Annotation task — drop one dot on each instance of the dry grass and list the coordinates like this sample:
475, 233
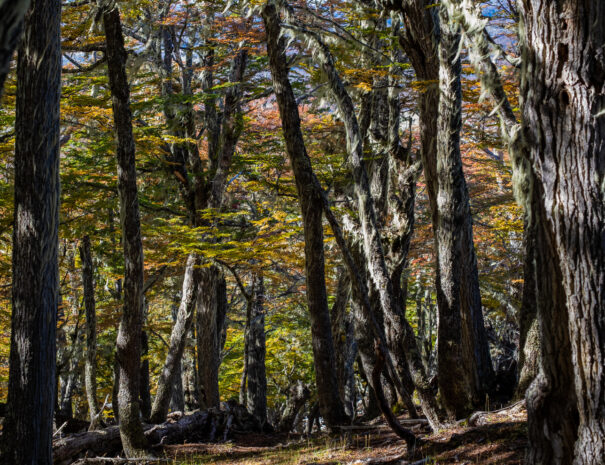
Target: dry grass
501, 440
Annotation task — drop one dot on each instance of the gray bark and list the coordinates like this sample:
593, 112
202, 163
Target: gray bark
345, 346
90, 369
128, 343
457, 382
257, 377
311, 204
529, 334
372, 246
27, 428
297, 395
211, 308
178, 339
419, 39
563, 92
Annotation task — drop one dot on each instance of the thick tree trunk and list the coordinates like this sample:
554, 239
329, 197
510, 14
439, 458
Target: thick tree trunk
457, 382
311, 204
27, 428
129, 334
178, 339
552, 414
345, 346
211, 311
257, 377
11, 26
90, 368
189, 374
563, 88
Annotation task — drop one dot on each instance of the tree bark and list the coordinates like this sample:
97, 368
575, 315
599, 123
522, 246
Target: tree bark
211, 311
372, 246
178, 339
129, 334
257, 377
456, 381
311, 205
529, 334
563, 88
90, 368
189, 374
27, 428
419, 40
11, 26
297, 395
145, 387
345, 346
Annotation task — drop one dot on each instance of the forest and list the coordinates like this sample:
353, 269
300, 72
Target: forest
361, 232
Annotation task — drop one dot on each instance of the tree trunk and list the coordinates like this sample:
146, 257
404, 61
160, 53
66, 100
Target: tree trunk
129, 334
257, 377
563, 87
145, 388
419, 40
311, 205
372, 246
178, 339
211, 311
11, 26
529, 333
456, 381
189, 374
27, 428
297, 395
345, 346
90, 369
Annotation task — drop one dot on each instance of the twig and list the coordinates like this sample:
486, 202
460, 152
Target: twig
60, 429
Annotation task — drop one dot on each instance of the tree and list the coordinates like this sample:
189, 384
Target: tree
90, 374
564, 132
420, 41
28, 427
257, 378
311, 205
11, 26
129, 334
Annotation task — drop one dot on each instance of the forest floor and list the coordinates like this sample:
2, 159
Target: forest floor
500, 439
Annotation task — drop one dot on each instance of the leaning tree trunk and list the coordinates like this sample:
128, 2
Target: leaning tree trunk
211, 311
90, 369
178, 339
372, 245
257, 377
311, 204
129, 334
27, 430
563, 88
11, 26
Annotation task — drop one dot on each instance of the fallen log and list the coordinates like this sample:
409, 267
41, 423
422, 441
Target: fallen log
200, 426
482, 418
99, 442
